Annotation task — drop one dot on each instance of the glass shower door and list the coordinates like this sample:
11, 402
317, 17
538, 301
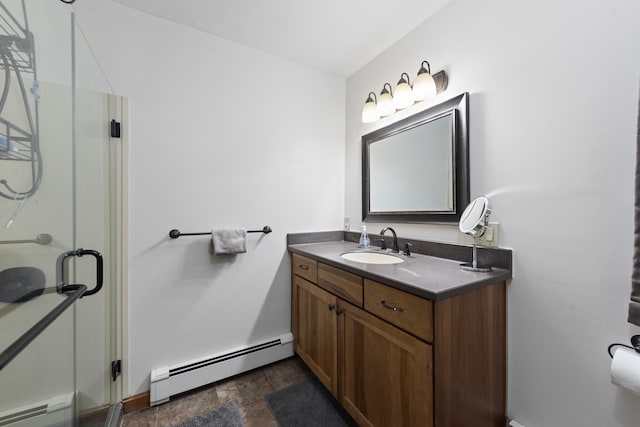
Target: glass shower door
54, 221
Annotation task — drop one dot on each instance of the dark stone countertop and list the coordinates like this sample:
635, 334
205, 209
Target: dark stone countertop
427, 276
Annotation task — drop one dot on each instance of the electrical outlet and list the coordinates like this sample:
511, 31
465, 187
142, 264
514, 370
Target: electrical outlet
490, 236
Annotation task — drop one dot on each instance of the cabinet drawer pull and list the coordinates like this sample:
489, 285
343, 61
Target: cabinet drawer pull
390, 307
303, 267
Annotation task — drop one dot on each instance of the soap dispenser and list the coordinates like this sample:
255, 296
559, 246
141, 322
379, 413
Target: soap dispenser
365, 243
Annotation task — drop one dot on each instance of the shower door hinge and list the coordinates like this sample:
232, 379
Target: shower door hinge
116, 369
115, 129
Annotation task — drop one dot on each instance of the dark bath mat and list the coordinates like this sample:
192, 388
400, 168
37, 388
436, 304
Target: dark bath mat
227, 415
307, 404
20, 284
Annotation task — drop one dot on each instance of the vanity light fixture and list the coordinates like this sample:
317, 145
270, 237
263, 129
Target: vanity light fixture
404, 97
385, 101
370, 110
424, 86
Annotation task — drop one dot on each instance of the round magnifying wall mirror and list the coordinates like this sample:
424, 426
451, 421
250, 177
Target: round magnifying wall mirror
473, 221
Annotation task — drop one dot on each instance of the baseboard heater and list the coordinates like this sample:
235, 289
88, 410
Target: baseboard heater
56, 411
175, 379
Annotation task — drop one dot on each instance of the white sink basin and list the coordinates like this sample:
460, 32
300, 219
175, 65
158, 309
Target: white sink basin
372, 258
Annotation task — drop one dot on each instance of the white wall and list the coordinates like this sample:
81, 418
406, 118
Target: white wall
221, 136
553, 105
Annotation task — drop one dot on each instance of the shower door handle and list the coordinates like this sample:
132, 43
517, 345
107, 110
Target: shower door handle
63, 287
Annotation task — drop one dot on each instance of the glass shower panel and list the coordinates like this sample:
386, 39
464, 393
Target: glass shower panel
38, 385
98, 157
54, 184
92, 218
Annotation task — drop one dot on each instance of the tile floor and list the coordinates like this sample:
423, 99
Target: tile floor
247, 390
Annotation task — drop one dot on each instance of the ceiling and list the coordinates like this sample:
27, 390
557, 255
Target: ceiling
338, 36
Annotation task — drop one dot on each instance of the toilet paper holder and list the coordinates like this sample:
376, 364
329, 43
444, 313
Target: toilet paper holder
635, 345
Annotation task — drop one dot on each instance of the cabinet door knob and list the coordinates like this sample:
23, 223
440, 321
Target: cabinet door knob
390, 307
331, 307
339, 311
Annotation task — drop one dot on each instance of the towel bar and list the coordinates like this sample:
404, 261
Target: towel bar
174, 234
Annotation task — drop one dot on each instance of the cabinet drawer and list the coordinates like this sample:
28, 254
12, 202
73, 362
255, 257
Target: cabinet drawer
305, 267
345, 285
408, 312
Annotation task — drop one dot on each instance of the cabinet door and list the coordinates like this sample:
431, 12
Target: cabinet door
316, 331
386, 375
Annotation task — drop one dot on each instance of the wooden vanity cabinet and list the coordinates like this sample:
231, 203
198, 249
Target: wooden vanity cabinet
316, 331
396, 359
314, 322
385, 374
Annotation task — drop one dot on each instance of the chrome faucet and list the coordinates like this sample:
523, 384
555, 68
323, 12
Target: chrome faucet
383, 246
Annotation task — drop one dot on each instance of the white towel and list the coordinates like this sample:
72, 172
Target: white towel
228, 241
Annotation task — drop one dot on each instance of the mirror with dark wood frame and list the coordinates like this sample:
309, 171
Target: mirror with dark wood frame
417, 169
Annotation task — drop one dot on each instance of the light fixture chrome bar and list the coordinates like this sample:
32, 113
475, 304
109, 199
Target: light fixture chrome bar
442, 81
